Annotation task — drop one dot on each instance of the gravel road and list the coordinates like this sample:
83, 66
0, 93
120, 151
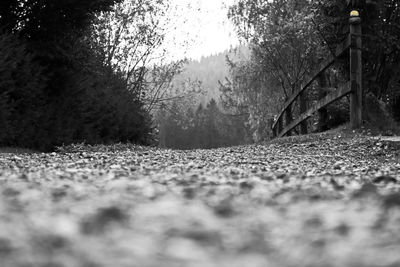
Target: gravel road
326, 201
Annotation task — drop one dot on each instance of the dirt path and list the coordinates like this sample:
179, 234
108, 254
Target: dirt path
328, 202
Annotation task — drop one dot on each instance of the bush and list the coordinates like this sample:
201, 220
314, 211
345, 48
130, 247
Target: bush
338, 113
83, 101
93, 105
395, 108
21, 92
378, 116
54, 87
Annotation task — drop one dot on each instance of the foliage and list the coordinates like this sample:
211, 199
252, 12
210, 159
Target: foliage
208, 70
285, 49
251, 93
21, 92
289, 39
130, 39
187, 119
45, 20
282, 36
378, 116
57, 88
182, 127
128, 34
159, 87
381, 38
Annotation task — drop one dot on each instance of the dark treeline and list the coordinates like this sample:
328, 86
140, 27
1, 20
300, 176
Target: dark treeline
209, 70
54, 85
69, 75
197, 119
204, 127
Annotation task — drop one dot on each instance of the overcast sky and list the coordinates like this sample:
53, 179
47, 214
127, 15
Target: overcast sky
204, 25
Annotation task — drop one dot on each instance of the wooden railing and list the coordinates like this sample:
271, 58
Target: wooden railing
352, 88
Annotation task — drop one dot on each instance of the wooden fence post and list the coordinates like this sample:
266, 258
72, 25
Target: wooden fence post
355, 70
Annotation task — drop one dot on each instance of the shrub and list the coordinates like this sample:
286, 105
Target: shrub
83, 101
21, 92
338, 113
378, 116
54, 87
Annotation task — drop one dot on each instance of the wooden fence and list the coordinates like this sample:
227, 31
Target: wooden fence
352, 88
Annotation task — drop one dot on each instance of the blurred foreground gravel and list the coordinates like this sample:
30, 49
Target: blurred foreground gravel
331, 201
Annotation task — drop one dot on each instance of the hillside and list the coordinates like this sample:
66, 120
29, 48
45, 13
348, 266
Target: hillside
209, 70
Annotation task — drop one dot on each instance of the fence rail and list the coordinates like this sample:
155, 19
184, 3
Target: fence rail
353, 87
332, 97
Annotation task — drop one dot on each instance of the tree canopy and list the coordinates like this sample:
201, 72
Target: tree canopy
53, 64
47, 19
288, 39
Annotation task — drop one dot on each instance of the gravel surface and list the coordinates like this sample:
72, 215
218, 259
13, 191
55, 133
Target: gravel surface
325, 201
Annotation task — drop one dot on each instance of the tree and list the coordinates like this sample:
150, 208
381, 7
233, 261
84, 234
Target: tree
207, 127
251, 95
21, 89
130, 37
285, 50
41, 20
282, 36
73, 96
381, 36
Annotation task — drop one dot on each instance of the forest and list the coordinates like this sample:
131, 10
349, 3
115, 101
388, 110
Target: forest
115, 154
285, 42
288, 42
96, 72
79, 71
201, 121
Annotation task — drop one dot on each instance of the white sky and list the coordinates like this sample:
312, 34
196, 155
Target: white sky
201, 28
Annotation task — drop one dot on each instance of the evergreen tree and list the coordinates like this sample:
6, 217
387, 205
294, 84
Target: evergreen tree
62, 92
